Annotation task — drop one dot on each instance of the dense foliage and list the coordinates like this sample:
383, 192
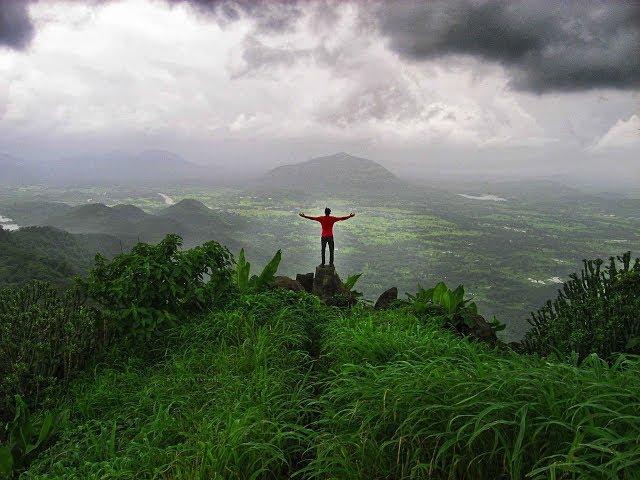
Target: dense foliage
597, 311
250, 382
157, 284
246, 282
25, 438
47, 254
448, 306
280, 386
45, 338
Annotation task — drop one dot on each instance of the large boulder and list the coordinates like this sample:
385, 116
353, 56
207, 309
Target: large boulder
306, 280
287, 283
387, 298
327, 283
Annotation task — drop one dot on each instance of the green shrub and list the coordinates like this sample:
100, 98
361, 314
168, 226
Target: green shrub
447, 306
45, 337
156, 284
25, 438
246, 283
595, 312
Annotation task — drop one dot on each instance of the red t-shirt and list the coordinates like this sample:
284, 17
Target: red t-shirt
327, 222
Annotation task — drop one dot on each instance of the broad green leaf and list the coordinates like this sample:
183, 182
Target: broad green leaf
6, 461
351, 281
269, 272
439, 290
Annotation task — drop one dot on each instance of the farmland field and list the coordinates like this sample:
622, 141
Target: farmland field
512, 253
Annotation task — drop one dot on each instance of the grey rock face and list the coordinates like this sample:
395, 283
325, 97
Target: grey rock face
327, 283
287, 283
306, 280
386, 298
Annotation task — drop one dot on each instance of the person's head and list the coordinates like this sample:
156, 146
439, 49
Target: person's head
327, 211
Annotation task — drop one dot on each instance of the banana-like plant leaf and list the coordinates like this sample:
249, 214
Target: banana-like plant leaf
351, 281
242, 272
268, 273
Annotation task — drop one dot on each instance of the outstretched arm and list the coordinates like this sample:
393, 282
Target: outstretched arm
307, 217
347, 217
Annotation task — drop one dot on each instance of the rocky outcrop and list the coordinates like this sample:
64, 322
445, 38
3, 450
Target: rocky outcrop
387, 298
479, 329
328, 286
326, 282
306, 280
287, 284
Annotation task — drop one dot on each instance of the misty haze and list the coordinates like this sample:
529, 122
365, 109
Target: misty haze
167, 309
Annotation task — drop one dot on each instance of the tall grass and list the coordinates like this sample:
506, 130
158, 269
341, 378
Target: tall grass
407, 400
280, 386
230, 401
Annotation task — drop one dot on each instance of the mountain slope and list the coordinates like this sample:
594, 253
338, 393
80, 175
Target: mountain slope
16, 171
48, 254
204, 223
151, 167
191, 219
124, 221
341, 173
195, 214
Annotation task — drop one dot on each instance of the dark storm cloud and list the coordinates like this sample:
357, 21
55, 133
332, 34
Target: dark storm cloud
547, 45
16, 29
269, 15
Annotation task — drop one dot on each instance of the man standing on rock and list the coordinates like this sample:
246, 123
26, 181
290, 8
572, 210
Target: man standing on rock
327, 222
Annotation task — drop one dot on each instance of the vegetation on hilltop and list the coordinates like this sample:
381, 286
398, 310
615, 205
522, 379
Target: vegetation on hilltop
242, 381
597, 311
48, 254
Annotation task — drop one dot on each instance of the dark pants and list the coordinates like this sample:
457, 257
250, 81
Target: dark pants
324, 241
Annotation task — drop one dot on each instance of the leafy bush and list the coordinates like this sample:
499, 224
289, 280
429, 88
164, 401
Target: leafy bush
45, 337
595, 312
246, 283
443, 302
25, 438
157, 284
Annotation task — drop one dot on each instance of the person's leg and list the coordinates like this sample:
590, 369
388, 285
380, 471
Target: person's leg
323, 243
331, 251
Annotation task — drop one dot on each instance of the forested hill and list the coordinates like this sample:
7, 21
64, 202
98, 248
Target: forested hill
189, 218
49, 254
334, 173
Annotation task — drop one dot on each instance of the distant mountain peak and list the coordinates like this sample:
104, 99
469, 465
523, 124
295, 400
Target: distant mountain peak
338, 172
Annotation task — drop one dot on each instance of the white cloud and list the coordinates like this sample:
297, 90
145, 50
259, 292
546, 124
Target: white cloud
624, 134
141, 69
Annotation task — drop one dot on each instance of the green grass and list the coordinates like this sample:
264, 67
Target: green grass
406, 400
230, 400
278, 386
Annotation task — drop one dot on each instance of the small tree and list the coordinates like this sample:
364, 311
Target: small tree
156, 284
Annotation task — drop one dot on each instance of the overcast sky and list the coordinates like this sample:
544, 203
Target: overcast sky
519, 88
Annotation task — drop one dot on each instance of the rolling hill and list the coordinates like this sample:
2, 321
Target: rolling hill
127, 222
340, 172
49, 254
151, 167
191, 219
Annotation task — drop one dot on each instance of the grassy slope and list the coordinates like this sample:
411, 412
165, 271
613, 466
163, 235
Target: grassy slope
279, 386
